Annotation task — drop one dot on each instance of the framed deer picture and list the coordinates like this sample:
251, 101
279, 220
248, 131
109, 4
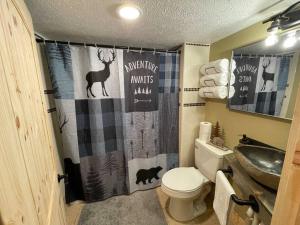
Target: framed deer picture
266, 79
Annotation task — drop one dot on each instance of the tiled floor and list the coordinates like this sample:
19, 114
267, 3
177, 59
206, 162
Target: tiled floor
208, 218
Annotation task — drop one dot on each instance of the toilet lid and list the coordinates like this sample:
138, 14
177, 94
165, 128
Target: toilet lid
183, 179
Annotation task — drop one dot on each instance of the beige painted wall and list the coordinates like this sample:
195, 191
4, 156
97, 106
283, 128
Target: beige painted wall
192, 57
292, 101
267, 129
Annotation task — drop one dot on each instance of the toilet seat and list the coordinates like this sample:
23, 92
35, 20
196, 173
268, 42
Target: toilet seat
183, 179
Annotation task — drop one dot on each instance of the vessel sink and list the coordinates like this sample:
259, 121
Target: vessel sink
263, 164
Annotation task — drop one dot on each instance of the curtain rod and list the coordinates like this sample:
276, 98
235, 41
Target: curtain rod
39, 40
263, 55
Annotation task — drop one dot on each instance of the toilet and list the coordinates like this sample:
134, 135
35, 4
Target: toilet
187, 187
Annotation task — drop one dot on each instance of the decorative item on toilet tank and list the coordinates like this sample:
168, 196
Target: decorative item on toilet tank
119, 117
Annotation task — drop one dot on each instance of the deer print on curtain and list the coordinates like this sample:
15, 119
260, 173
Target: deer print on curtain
261, 83
99, 76
118, 118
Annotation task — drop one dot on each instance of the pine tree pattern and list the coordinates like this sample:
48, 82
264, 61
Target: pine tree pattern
94, 188
131, 144
152, 121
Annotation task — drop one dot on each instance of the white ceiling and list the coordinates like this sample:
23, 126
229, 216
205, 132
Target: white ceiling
163, 24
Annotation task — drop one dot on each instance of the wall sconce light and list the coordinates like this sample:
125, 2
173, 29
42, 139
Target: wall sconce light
286, 19
271, 40
290, 41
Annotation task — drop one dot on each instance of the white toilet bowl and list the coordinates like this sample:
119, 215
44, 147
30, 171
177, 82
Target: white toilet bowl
187, 189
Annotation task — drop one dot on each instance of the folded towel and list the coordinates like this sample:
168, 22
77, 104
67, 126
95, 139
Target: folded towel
218, 66
214, 92
223, 194
218, 79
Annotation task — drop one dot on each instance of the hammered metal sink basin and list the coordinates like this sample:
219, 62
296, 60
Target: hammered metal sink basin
261, 163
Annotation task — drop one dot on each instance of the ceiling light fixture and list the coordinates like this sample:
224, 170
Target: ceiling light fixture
129, 12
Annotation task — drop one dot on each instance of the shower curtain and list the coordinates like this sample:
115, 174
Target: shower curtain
261, 83
118, 118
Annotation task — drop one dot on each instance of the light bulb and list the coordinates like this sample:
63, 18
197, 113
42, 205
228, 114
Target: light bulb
271, 40
290, 41
129, 12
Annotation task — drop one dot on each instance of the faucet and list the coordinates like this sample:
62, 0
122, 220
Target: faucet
250, 141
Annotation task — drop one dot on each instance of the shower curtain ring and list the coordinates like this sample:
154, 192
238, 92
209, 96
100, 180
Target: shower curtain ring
154, 51
69, 43
56, 43
44, 41
114, 47
84, 45
141, 50
127, 49
96, 45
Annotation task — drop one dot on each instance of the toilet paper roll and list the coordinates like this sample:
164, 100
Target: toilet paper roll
205, 131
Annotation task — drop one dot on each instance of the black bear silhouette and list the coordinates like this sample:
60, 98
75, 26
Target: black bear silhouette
144, 175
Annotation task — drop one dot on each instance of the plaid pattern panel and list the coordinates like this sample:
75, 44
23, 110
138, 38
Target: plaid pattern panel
168, 73
60, 70
99, 126
266, 103
113, 147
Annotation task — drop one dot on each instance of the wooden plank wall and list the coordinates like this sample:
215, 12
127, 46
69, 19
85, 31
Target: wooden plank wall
28, 177
287, 206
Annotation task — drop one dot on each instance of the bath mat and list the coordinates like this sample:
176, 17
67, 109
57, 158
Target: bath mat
139, 208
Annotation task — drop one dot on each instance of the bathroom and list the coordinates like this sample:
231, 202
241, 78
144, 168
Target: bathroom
150, 112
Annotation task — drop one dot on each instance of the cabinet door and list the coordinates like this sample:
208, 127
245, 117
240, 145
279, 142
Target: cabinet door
31, 165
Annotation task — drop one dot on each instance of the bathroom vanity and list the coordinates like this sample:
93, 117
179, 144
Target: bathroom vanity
264, 196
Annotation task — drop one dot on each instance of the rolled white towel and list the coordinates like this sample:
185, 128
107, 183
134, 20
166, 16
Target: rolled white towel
231, 92
218, 66
233, 65
214, 92
219, 79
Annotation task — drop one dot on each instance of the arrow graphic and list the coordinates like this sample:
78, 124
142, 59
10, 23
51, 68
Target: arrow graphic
141, 100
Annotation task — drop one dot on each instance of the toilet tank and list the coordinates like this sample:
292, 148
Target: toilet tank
209, 159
